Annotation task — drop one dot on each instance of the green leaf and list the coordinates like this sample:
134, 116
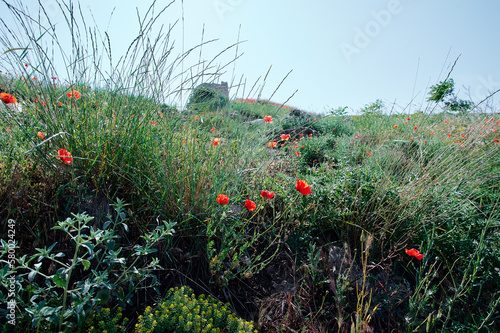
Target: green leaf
60, 280
86, 264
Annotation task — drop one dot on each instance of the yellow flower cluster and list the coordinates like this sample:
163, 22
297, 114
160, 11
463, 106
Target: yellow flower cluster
182, 311
107, 321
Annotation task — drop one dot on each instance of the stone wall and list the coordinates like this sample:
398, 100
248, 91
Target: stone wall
221, 88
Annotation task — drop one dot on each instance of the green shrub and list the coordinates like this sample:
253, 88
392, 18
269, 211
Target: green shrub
182, 311
107, 321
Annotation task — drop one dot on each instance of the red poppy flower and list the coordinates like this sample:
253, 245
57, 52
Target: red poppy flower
7, 98
415, 128
414, 253
272, 144
395, 126
496, 140
302, 187
267, 194
222, 199
250, 205
65, 156
449, 135
310, 135
446, 121
432, 133
41, 135
152, 123
215, 142
297, 153
408, 119
212, 129
285, 136
74, 93
268, 119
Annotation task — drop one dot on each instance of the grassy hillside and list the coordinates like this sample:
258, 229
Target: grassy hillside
122, 213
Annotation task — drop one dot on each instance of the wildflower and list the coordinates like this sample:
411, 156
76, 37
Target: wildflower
268, 119
415, 128
432, 133
41, 135
408, 119
414, 253
74, 93
297, 153
212, 129
395, 126
272, 144
369, 154
196, 119
406, 122
449, 135
285, 136
267, 194
65, 156
222, 199
446, 121
496, 140
302, 187
310, 135
250, 205
152, 123
7, 98
215, 142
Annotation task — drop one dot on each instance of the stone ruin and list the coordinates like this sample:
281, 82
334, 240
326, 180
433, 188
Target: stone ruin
221, 88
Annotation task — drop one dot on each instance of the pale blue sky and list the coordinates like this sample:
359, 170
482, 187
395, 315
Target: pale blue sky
341, 53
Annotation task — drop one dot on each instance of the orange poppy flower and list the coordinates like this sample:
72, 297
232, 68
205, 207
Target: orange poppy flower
268, 119
285, 136
267, 194
7, 98
74, 93
41, 135
414, 253
222, 199
272, 144
303, 187
250, 205
65, 156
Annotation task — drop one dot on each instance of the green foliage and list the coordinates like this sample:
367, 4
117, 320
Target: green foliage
182, 311
441, 90
52, 303
444, 89
108, 321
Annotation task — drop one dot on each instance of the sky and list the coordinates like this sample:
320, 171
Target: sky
332, 53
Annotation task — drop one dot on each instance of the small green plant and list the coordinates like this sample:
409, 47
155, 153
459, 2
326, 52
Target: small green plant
104, 271
108, 321
182, 311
